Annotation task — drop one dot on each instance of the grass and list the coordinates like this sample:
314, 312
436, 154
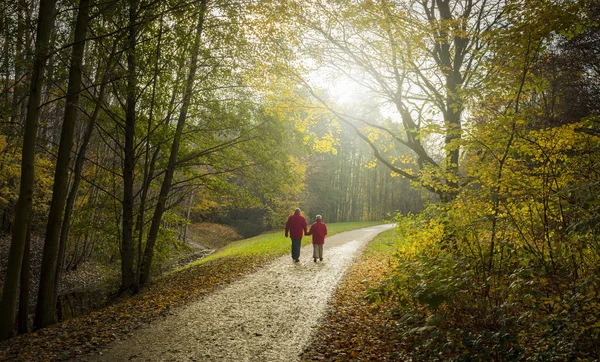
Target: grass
385, 243
273, 244
212, 235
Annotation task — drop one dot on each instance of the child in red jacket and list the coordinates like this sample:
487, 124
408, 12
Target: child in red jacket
318, 230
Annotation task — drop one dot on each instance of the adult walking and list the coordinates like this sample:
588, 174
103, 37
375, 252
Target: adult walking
318, 230
296, 228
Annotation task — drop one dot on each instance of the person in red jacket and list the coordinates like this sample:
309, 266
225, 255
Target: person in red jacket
296, 227
318, 230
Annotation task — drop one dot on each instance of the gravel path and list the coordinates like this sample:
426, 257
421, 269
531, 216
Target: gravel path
265, 316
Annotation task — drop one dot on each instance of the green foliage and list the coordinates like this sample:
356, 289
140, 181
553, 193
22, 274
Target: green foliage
529, 290
508, 271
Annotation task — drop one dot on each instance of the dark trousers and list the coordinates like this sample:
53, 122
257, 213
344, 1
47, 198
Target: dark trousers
296, 244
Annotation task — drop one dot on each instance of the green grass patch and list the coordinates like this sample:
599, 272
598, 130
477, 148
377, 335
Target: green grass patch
273, 244
386, 243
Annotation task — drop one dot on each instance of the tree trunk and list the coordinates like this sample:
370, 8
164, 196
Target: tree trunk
23, 209
187, 216
166, 185
79, 161
19, 59
23, 321
449, 61
127, 275
149, 162
45, 310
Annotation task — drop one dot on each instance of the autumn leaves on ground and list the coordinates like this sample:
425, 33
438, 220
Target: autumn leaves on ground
88, 332
354, 328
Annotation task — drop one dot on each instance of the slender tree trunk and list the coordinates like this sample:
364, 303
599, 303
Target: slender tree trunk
453, 130
450, 60
149, 161
45, 311
79, 161
18, 68
50, 125
127, 275
5, 74
23, 321
166, 185
23, 209
187, 216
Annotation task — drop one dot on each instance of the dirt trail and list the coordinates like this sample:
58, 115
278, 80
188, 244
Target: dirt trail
265, 316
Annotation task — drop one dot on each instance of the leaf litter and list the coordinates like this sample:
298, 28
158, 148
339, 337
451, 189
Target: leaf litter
86, 333
353, 329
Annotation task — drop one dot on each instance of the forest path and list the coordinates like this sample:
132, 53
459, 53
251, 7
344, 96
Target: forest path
265, 316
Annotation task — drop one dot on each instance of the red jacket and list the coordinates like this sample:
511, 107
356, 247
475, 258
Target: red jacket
318, 230
296, 226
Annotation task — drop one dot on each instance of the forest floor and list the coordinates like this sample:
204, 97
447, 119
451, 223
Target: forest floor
354, 329
76, 336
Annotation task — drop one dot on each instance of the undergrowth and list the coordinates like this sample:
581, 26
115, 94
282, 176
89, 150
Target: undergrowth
447, 308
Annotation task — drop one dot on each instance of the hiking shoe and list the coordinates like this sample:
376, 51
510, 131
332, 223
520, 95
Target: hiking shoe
296, 260
315, 260
321, 259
